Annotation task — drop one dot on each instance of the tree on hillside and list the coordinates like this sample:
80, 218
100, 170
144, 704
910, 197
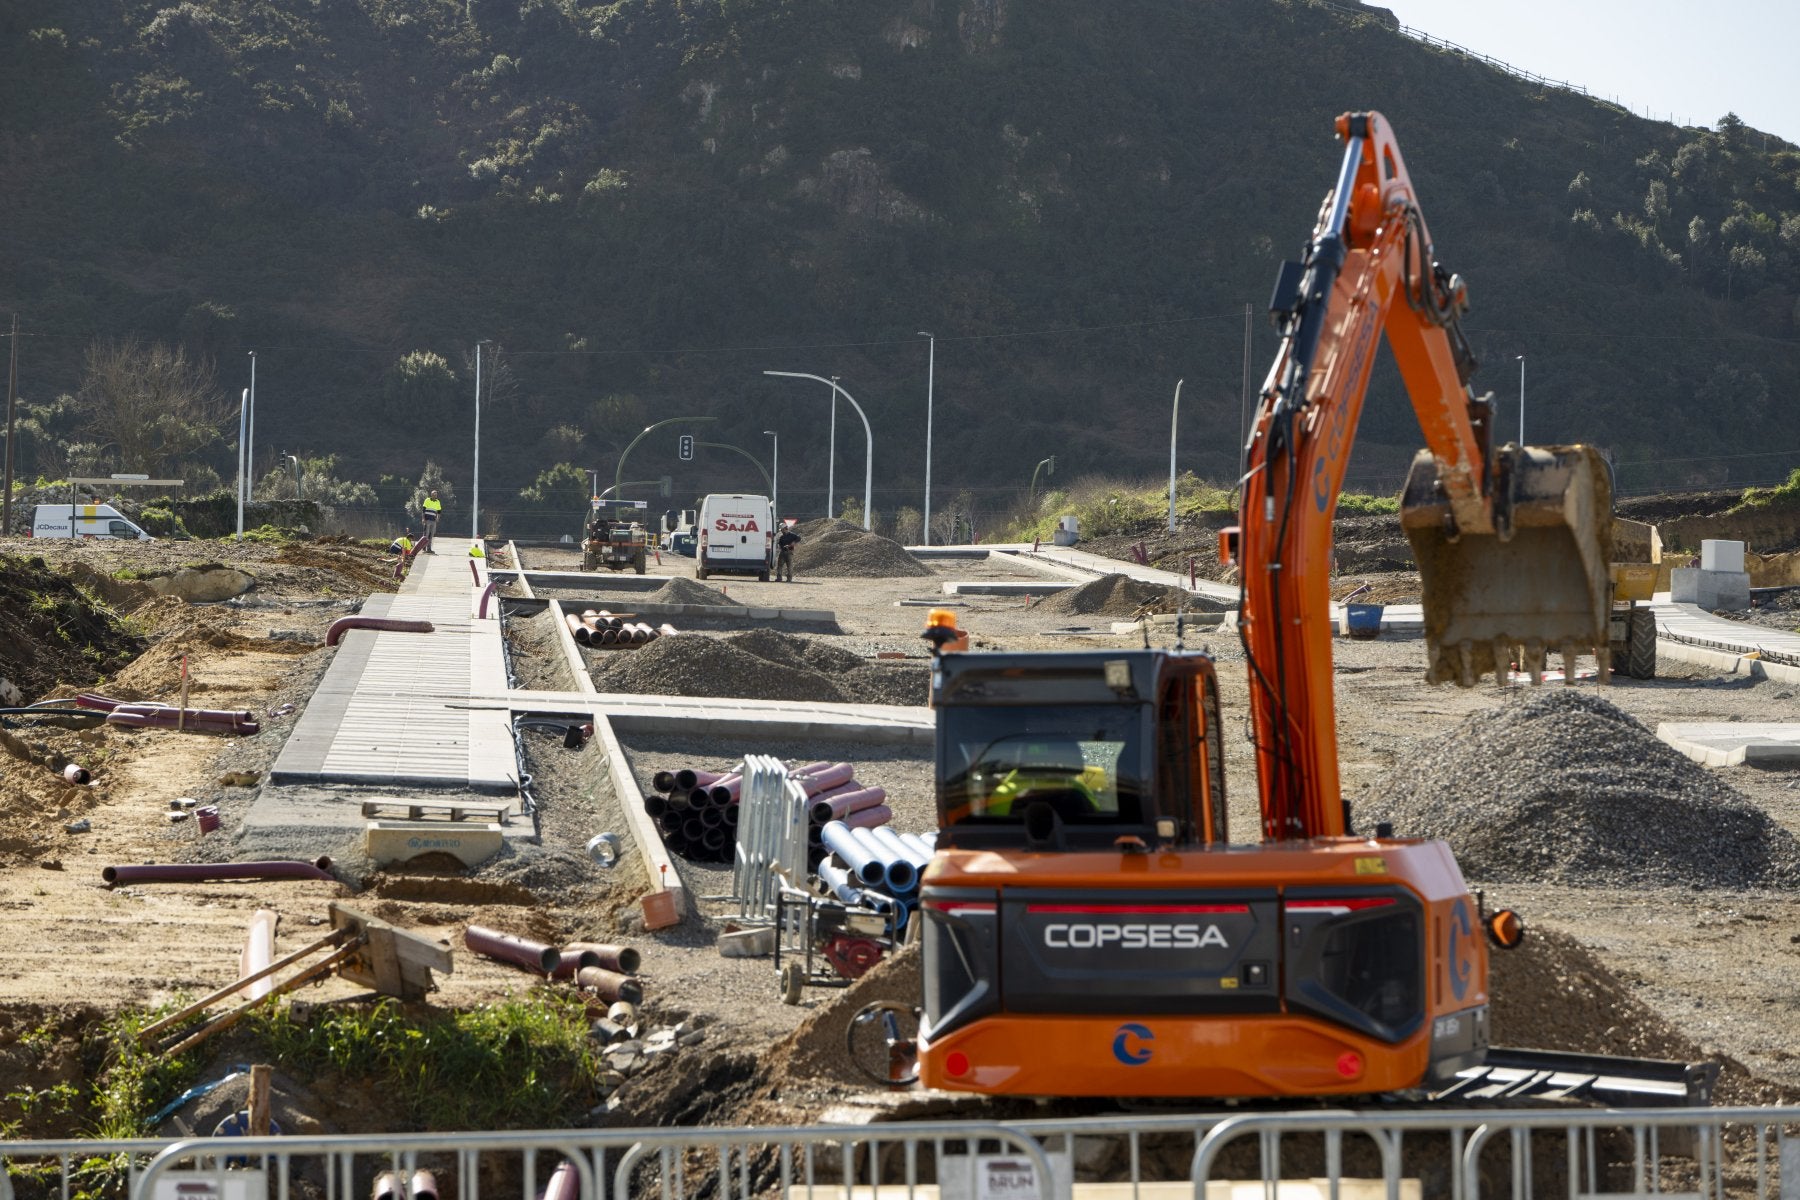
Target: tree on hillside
420, 386
150, 403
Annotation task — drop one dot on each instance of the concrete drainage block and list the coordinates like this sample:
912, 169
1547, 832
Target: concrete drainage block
399, 841
748, 943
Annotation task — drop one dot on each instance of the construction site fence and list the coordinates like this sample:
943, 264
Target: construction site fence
1464, 1154
771, 836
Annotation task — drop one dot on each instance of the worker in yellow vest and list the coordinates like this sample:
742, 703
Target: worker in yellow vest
433, 507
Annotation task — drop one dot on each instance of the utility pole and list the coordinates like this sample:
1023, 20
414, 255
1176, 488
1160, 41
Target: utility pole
1521, 400
1174, 419
12, 396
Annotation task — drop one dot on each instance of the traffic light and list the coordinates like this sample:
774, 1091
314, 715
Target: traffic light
684, 447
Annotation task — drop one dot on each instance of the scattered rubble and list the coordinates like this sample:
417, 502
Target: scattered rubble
1560, 786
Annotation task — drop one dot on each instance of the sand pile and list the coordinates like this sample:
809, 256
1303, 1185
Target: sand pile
837, 549
685, 591
1122, 597
1560, 786
761, 665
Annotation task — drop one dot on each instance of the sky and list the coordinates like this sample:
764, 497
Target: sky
1674, 60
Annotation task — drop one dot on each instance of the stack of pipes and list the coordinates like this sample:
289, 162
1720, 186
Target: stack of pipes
697, 812
874, 866
603, 628
608, 972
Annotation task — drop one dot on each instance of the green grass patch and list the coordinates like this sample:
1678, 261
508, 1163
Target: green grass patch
1782, 495
516, 1064
1362, 504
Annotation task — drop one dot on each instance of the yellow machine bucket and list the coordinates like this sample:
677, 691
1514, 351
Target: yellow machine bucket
1537, 584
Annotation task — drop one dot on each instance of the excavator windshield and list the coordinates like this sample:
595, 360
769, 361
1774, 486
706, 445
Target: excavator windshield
1085, 763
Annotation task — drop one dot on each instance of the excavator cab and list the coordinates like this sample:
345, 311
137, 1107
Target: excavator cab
1537, 583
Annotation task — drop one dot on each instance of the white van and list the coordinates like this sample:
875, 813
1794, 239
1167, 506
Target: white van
737, 535
90, 521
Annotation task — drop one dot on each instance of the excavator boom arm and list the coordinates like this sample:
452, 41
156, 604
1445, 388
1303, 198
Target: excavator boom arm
1369, 269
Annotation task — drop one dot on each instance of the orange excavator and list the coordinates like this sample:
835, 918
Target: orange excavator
1090, 929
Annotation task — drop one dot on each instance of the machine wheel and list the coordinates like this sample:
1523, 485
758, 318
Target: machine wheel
589, 560
1640, 644
699, 572
793, 981
637, 563
763, 577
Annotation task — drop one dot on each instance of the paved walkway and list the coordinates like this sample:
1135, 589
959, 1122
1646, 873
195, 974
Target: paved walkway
384, 715
1688, 633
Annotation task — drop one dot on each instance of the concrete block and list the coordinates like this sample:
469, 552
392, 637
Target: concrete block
1717, 555
748, 943
1711, 590
398, 841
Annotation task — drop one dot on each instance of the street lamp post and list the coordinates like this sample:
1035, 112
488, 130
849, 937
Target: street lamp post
295, 459
775, 486
1042, 463
246, 435
1173, 415
831, 455
1521, 399
868, 437
475, 480
930, 386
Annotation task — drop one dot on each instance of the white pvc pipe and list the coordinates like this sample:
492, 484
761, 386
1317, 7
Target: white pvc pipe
258, 953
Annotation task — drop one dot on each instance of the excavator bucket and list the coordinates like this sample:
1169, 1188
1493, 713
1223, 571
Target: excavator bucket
1538, 584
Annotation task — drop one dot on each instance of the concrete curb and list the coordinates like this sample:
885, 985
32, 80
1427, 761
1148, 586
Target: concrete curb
1731, 743
1729, 662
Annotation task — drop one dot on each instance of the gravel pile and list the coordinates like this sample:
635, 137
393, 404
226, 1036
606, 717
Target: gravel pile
835, 548
1122, 597
762, 664
681, 590
1560, 786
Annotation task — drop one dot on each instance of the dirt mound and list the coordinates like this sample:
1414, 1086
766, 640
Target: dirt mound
686, 591
760, 665
817, 1049
1123, 597
835, 548
358, 565
1560, 786
55, 632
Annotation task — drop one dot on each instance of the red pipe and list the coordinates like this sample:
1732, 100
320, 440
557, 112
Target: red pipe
691, 779
840, 790
343, 625
475, 571
808, 769
565, 1183
610, 985
845, 803
531, 955
481, 615
163, 716
869, 818
823, 781
701, 798
211, 872
583, 635
728, 789
664, 781
601, 954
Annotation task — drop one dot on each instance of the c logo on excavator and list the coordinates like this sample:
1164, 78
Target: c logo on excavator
1128, 1045
1461, 937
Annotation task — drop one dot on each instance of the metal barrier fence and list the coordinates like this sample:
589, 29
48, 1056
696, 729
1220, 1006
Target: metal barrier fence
771, 836
1462, 1155
1458, 1155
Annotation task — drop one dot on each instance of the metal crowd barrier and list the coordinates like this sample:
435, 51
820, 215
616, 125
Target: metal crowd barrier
1710, 1153
771, 836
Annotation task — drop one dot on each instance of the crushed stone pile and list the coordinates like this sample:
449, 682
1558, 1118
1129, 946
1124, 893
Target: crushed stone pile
761, 664
1122, 597
680, 590
836, 549
1559, 786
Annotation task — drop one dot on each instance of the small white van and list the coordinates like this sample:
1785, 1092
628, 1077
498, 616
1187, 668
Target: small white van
88, 521
736, 536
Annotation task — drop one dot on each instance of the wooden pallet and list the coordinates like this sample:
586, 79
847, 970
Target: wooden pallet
407, 810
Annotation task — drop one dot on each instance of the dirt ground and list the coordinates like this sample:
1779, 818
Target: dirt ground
1630, 971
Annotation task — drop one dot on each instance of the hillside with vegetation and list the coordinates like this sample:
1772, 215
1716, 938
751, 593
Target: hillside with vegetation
642, 205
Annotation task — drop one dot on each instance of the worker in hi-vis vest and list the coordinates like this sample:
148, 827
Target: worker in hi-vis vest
432, 507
